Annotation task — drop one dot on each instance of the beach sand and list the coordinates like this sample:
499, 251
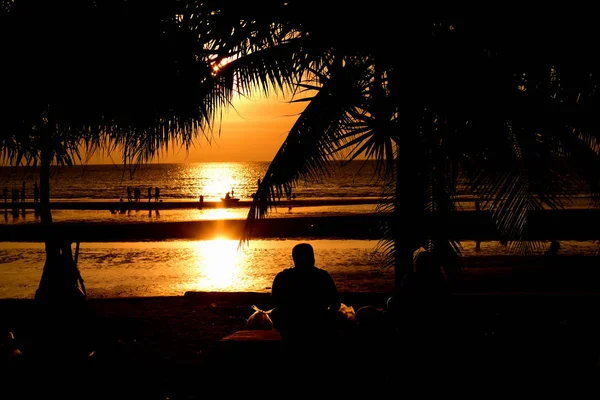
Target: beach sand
169, 347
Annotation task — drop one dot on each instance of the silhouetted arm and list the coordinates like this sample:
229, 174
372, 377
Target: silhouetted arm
276, 291
333, 296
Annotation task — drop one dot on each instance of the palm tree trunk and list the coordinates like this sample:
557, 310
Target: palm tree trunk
59, 280
62, 316
404, 223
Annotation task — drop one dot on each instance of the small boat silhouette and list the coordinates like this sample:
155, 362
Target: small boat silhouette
228, 200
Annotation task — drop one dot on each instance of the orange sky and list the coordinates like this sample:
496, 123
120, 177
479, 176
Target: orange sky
253, 133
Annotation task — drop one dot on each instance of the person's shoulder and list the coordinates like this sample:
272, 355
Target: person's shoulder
323, 273
284, 272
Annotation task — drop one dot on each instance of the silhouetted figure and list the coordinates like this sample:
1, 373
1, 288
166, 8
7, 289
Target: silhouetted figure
36, 193
129, 195
371, 343
149, 194
419, 314
427, 277
552, 258
447, 258
15, 198
306, 302
137, 194
201, 201
227, 196
156, 194
478, 211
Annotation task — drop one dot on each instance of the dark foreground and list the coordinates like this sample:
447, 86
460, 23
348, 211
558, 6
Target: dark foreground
158, 348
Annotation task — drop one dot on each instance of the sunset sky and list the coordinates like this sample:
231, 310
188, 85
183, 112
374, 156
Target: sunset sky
254, 131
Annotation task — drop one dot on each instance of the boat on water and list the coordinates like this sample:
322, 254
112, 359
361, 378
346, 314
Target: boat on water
229, 199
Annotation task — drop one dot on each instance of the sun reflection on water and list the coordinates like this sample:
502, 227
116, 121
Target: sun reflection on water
219, 178
219, 264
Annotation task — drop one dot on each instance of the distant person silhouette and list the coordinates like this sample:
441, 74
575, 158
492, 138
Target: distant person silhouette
552, 257
129, 197
36, 193
478, 210
149, 194
305, 300
15, 197
156, 194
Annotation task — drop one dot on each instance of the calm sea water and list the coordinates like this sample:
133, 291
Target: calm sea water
187, 181
169, 267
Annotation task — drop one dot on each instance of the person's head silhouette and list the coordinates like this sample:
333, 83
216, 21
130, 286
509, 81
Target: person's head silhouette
426, 263
303, 256
554, 247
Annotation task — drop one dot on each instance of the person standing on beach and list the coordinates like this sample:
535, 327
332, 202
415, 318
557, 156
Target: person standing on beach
306, 300
156, 194
478, 211
149, 194
15, 197
36, 193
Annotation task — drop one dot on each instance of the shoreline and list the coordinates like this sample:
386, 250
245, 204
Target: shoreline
174, 204
347, 226
573, 224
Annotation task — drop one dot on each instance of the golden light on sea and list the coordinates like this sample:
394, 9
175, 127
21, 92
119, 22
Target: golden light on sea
219, 178
218, 263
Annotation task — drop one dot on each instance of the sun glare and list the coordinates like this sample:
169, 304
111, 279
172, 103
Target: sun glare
218, 179
218, 264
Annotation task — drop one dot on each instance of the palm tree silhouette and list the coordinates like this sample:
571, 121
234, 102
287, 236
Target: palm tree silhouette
505, 105
88, 77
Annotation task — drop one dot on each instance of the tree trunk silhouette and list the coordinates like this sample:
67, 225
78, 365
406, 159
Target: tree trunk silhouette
61, 304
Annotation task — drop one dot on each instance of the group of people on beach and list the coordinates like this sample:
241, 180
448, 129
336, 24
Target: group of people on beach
134, 195
18, 199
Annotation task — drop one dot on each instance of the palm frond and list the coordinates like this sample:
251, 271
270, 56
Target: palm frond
309, 147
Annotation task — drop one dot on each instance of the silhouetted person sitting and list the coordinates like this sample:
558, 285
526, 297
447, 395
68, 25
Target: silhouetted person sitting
420, 313
305, 299
427, 277
448, 259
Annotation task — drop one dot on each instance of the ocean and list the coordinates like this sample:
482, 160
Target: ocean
172, 267
179, 182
